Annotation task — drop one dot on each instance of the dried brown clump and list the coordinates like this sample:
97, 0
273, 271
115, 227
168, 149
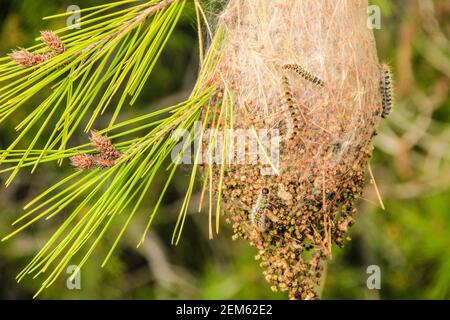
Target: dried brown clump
23, 57
82, 161
104, 145
28, 59
106, 157
326, 132
42, 57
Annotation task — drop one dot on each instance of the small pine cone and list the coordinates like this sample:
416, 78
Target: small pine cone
103, 162
23, 57
112, 153
82, 161
42, 57
52, 41
100, 142
104, 146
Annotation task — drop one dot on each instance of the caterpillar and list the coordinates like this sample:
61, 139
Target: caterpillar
258, 215
288, 106
304, 74
292, 114
386, 90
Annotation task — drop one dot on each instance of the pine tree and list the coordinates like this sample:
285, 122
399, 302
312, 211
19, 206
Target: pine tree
238, 86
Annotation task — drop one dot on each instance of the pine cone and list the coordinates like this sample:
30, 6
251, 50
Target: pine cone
52, 41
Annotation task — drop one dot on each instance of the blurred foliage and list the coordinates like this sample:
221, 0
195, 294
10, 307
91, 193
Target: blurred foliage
410, 240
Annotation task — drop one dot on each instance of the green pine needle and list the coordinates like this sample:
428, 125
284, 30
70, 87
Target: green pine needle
112, 58
109, 60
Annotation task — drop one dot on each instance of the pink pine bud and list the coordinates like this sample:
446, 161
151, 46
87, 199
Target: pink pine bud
103, 162
100, 142
82, 161
23, 57
104, 146
42, 57
53, 41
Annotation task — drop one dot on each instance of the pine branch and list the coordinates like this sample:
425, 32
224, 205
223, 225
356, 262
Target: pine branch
112, 56
116, 50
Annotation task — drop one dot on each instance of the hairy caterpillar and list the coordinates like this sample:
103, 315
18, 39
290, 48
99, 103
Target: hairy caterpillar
386, 90
304, 74
288, 106
290, 109
258, 215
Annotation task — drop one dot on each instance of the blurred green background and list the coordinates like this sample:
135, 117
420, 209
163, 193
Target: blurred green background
409, 241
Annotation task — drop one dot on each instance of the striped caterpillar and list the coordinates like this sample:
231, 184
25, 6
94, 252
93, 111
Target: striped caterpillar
258, 215
304, 74
288, 105
386, 90
290, 109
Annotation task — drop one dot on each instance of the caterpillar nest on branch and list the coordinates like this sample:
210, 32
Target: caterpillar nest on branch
325, 131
